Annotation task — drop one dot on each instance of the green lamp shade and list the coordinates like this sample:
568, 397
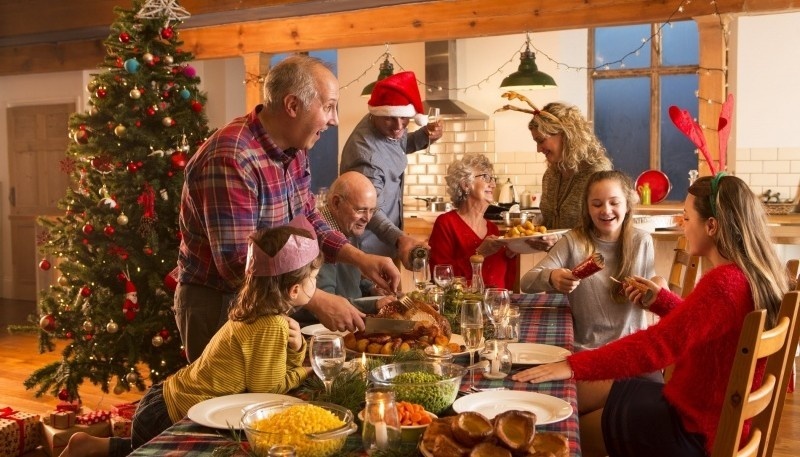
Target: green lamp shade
386, 69
528, 76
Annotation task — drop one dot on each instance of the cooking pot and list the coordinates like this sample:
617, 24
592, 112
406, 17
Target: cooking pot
436, 204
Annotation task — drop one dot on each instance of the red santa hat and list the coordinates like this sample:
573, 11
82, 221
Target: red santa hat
398, 96
129, 287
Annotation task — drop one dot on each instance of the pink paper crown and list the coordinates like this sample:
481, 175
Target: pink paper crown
297, 252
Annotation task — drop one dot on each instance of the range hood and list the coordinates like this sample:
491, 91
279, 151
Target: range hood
440, 72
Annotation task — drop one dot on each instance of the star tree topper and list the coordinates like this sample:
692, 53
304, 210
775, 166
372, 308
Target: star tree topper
168, 9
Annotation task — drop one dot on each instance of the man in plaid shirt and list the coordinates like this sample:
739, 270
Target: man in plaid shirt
252, 174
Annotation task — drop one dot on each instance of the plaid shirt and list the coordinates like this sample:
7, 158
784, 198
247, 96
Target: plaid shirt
238, 182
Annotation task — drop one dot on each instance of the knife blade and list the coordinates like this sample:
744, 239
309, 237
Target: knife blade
391, 326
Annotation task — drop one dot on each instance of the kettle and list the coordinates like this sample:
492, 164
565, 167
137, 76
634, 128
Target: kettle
507, 195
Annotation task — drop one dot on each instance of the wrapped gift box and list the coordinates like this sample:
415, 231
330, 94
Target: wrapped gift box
19, 432
55, 440
69, 406
121, 426
94, 417
61, 419
125, 410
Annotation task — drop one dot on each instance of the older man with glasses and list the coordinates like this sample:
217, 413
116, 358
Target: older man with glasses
351, 202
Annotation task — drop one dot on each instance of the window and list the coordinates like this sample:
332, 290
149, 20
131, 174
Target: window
630, 99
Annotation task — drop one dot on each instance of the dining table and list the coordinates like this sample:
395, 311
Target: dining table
545, 319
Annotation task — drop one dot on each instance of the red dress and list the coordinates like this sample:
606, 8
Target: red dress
453, 241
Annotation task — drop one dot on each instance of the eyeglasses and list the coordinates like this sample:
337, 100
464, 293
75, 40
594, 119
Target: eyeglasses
360, 212
487, 177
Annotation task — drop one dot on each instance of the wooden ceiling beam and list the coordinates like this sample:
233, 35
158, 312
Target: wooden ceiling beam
400, 23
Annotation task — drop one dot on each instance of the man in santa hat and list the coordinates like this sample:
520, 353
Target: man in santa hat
377, 149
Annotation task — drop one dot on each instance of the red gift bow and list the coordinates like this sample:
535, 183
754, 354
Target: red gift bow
6, 413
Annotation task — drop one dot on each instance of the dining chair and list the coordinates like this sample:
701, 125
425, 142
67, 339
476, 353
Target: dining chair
682, 278
683, 274
765, 404
793, 270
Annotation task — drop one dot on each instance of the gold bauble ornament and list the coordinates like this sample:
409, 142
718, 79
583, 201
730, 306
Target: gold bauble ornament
88, 326
112, 327
119, 131
118, 389
63, 281
157, 341
131, 377
122, 219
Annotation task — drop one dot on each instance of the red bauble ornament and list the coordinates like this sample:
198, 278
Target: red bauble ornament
164, 333
167, 33
132, 167
68, 335
88, 229
82, 136
124, 37
197, 106
150, 111
88, 337
119, 63
138, 123
44, 264
101, 92
102, 163
170, 173
165, 94
108, 230
178, 160
86, 291
47, 323
147, 250
63, 395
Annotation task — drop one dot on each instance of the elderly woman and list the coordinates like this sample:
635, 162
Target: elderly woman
462, 232
573, 153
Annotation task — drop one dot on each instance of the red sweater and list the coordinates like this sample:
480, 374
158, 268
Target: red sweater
699, 335
453, 241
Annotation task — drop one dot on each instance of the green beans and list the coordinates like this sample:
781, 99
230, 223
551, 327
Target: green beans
434, 392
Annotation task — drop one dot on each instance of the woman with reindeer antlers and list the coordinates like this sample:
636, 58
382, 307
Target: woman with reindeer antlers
572, 152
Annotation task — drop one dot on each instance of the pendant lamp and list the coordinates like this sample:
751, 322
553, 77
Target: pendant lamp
528, 76
386, 69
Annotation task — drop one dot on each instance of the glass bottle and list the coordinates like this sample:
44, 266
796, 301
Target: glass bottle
476, 286
381, 429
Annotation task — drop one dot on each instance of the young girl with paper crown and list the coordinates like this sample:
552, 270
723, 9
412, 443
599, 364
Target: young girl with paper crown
725, 223
259, 349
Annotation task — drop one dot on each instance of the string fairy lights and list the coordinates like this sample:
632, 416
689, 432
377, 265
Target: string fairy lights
252, 78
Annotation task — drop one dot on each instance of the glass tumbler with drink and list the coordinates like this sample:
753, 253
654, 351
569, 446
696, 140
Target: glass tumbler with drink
327, 354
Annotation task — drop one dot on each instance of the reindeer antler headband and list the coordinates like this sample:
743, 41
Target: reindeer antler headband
694, 131
511, 95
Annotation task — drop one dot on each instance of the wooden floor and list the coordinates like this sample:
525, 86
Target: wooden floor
19, 358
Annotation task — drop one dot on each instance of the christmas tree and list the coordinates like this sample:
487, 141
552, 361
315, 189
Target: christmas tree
118, 239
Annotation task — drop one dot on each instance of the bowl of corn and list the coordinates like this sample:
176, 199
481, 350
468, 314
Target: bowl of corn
314, 429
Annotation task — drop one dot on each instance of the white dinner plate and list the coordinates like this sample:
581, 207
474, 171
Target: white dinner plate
311, 330
454, 338
222, 412
519, 245
548, 409
536, 354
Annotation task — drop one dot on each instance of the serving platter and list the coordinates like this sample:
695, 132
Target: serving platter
536, 354
548, 409
224, 412
454, 338
311, 330
518, 244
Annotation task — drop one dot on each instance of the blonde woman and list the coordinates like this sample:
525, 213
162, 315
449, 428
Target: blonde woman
573, 153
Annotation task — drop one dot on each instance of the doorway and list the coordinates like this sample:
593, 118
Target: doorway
37, 141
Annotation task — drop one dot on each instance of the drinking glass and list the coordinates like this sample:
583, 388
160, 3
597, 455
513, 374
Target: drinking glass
443, 275
433, 117
327, 355
472, 330
421, 273
496, 302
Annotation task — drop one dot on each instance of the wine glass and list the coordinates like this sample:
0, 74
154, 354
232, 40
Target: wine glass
496, 302
421, 273
433, 117
472, 330
327, 357
443, 275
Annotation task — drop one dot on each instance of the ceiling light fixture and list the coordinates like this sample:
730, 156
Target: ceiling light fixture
386, 69
528, 76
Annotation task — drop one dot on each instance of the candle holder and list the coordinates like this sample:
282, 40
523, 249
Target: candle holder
381, 428
434, 353
499, 357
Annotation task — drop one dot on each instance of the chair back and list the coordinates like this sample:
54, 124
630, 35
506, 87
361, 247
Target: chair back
793, 269
765, 404
683, 275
